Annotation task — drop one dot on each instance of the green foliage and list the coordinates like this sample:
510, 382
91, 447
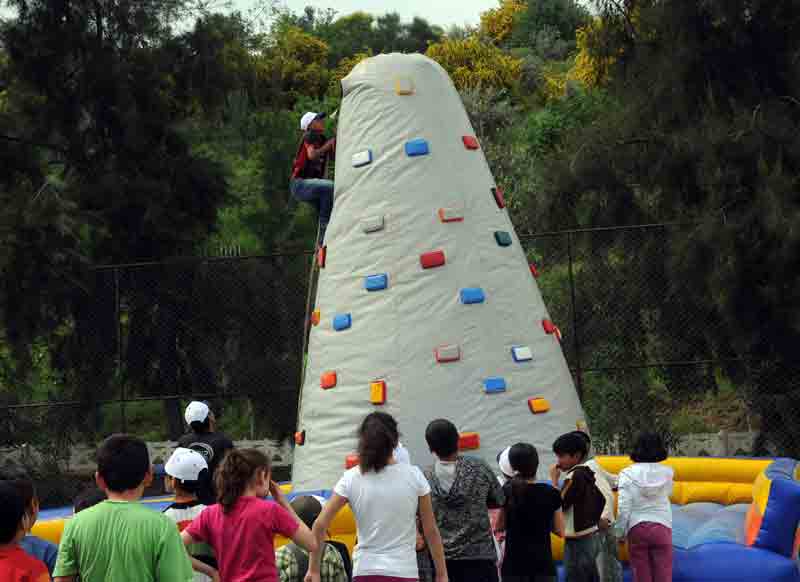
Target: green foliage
556, 19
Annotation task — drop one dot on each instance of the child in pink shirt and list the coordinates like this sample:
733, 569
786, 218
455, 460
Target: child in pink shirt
242, 525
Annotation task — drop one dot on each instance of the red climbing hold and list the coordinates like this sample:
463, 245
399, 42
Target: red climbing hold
432, 259
534, 271
300, 438
321, 256
551, 328
471, 142
469, 441
498, 197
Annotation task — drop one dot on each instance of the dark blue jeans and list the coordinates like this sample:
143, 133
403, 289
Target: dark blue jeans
318, 193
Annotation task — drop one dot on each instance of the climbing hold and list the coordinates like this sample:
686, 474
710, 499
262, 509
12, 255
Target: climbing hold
471, 142
494, 385
377, 392
361, 159
534, 271
538, 405
503, 238
376, 282
328, 380
582, 426
469, 441
351, 461
451, 214
432, 259
448, 353
403, 86
315, 316
521, 353
342, 321
300, 438
372, 224
551, 328
322, 254
498, 197
417, 147
472, 295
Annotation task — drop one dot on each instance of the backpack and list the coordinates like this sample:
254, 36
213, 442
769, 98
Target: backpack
301, 556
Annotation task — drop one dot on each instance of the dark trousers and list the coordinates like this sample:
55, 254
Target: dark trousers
580, 559
472, 571
318, 193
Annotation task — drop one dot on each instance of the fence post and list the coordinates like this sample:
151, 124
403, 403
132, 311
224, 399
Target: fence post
575, 332
118, 322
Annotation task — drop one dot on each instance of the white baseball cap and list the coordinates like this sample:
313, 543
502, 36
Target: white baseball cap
186, 465
401, 454
196, 412
505, 464
309, 118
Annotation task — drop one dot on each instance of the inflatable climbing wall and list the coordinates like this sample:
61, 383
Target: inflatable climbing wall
426, 305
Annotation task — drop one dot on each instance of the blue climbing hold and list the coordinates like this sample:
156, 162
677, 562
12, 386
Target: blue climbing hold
472, 295
376, 282
417, 147
494, 385
342, 321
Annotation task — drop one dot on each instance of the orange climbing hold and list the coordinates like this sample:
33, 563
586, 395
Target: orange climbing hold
351, 461
321, 256
451, 214
315, 317
377, 392
539, 405
300, 438
328, 380
469, 441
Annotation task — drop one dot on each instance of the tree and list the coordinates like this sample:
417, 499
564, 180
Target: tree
294, 64
688, 139
388, 33
419, 35
474, 64
497, 24
561, 16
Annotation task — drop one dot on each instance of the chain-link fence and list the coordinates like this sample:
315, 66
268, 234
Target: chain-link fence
646, 350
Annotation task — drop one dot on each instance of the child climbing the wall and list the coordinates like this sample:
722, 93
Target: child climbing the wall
186, 472
645, 513
241, 528
582, 503
531, 512
308, 182
607, 560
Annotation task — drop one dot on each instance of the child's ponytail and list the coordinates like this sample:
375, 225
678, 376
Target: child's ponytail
236, 472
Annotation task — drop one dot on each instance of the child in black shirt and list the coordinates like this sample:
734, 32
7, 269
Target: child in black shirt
532, 511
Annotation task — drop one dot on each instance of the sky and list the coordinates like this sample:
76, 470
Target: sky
441, 12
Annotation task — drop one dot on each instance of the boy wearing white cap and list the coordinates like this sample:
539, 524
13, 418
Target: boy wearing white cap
186, 471
308, 182
204, 439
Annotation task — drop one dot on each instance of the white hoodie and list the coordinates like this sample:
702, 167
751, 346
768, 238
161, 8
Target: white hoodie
644, 490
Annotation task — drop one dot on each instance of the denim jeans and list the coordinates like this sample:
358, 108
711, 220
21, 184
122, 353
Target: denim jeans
318, 193
580, 559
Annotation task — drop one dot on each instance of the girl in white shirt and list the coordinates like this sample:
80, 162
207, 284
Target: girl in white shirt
645, 513
384, 496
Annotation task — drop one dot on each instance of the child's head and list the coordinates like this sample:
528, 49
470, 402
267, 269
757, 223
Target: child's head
88, 498
123, 464
377, 439
14, 518
442, 438
307, 509
649, 448
19, 479
199, 417
187, 471
524, 460
241, 470
570, 449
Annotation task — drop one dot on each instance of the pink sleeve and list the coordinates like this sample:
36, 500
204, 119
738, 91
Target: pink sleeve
284, 522
198, 529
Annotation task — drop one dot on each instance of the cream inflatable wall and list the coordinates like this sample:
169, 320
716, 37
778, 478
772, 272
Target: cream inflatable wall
426, 305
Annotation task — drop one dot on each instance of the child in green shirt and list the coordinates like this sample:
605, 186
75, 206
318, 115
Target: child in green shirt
120, 539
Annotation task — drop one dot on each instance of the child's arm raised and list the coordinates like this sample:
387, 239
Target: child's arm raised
302, 535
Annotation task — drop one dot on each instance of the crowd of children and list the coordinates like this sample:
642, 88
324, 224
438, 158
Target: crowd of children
411, 524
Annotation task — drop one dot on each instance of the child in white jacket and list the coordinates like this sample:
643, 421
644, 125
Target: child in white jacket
645, 513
